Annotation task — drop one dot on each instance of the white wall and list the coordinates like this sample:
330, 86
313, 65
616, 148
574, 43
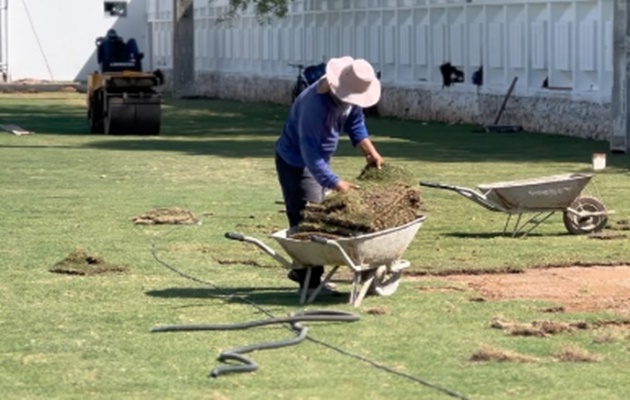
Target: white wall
66, 30
4, 18
568, 41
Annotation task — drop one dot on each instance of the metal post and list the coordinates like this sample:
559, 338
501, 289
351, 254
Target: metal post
183, 47
4, 40
620, 137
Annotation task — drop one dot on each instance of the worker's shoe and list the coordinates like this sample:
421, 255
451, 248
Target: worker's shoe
294, 276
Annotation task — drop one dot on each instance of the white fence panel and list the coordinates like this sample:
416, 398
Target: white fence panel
160, 18
564, 45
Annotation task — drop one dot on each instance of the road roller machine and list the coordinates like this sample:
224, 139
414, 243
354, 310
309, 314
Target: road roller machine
122, 99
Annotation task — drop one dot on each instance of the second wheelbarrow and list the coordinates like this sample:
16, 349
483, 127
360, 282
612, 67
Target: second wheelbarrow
374, 258
543, 196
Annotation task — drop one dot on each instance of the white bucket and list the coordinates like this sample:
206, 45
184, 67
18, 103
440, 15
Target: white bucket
599, 161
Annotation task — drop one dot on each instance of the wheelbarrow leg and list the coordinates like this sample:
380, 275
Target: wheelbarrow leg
356, 286
358, 292
507, 222
304, 290
516, 227
319, 288
535, 222
364, 287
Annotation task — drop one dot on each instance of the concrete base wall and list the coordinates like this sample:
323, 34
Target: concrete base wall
549, 114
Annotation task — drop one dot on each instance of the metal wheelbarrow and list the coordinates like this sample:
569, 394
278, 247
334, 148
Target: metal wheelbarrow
374, 258
543, 196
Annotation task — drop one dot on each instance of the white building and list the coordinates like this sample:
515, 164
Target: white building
54, 39
561, 51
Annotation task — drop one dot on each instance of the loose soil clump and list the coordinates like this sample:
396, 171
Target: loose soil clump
173, 216
385, 199
79, 262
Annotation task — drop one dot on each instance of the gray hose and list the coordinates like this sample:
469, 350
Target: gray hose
249, 365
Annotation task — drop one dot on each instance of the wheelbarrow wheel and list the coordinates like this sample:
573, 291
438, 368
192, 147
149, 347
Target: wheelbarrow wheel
385, 282
577, 225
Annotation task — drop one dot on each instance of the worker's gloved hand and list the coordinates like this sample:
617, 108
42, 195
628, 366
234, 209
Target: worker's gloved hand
344, 186
374, 159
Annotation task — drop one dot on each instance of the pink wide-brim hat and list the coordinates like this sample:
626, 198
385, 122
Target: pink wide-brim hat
353, 81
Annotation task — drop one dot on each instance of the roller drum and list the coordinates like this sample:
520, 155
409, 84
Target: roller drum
133, 116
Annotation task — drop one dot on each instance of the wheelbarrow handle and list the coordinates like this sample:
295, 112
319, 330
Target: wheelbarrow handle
471, 194
439, 185
235, 236
248, 239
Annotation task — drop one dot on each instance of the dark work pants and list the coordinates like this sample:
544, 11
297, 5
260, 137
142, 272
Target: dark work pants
299, 187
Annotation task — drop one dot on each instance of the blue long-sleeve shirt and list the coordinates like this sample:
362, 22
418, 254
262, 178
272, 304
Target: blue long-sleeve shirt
311, 133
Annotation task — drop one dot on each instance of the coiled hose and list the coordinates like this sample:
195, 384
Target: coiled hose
249, 365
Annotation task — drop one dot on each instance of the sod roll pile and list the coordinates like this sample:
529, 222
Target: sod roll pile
387, 197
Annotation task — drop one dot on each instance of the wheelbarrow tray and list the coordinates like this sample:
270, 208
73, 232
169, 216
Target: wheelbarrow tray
374, 258
366, 251
555, 192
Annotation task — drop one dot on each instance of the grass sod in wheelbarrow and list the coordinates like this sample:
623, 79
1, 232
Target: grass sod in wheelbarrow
385, 199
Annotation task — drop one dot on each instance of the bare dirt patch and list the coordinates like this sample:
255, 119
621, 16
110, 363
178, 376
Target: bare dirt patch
576, 289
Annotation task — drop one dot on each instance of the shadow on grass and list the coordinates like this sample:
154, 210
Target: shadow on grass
64, 114
279, 296
494, 235
36, 146
45, 118
430, 147
253, 132
236, 129
233, 148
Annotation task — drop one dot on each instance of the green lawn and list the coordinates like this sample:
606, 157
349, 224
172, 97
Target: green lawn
70, 336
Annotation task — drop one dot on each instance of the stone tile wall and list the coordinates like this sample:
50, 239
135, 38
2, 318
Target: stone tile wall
555, 113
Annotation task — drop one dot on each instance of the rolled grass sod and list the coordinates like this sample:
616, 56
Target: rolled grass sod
385, 199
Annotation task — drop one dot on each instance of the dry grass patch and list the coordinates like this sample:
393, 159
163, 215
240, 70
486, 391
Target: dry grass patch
574, 353
535, 328
223, 261
610, 336
489, 353
606, 235
172, 216
377, 311
619, 225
